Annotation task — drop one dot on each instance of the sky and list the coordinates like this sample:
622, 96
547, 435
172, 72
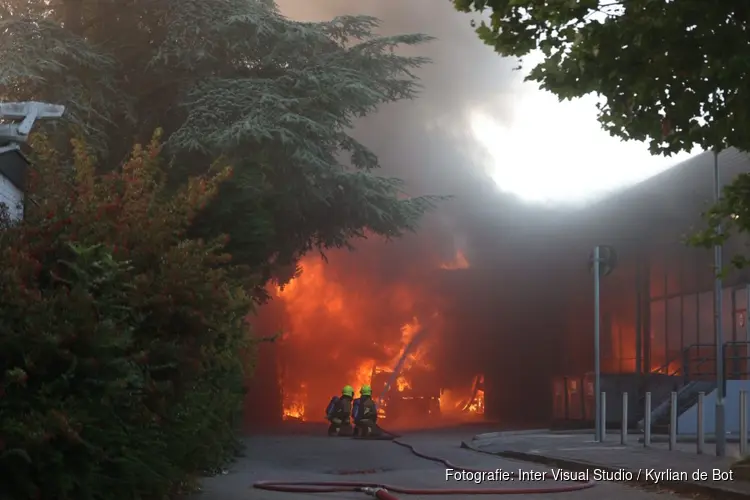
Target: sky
524, 140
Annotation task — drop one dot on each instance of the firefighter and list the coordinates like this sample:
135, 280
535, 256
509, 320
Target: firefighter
366, 416
340, 413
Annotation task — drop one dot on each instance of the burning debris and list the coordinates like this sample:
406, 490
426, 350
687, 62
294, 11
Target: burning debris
340, 329
458, 262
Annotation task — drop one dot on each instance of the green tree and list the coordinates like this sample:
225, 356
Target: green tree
121, 339
670, 73
235, 79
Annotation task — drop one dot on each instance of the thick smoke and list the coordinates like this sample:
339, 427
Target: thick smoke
428, 143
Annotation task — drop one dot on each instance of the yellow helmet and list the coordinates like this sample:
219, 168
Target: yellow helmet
366, 390
347, 391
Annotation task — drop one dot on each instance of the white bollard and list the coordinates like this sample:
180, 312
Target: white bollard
624, 431
743, 423
673, 421
701, 431
604, 415
647, 421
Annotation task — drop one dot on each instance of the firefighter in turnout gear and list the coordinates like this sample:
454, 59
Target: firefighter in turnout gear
365, 414
339, 413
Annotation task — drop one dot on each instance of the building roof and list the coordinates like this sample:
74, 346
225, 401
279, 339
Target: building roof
667, 204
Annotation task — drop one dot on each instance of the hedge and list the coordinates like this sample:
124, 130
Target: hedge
121, 338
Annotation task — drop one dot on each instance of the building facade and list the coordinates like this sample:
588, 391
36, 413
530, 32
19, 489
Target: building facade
658, 305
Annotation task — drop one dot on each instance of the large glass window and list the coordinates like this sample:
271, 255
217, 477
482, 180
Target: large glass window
727, 316
658, 335
689, 274
673, 268
706, 319
690, 320
674, 329
740, 314
656, 276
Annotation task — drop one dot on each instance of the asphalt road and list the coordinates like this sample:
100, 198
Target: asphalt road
305, 453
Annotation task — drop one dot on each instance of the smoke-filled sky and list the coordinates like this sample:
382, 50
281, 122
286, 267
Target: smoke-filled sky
523, 139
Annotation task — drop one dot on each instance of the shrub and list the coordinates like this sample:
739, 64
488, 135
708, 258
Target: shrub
121, 338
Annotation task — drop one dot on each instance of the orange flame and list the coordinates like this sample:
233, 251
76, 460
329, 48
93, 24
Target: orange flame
330, 340
340, 330
402, 384
461, 400
459, 262
295, 411
477, 406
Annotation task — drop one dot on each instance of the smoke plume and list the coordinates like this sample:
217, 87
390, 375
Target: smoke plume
354, 308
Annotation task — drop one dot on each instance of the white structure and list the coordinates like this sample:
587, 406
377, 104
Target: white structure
11, 195
13, 164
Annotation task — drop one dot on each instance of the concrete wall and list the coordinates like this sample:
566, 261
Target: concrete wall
687, 423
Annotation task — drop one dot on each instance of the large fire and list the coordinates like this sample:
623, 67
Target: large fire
338, 331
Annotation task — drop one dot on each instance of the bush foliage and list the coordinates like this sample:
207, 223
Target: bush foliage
121, 338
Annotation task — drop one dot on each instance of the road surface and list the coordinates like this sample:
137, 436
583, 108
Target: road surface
309, 455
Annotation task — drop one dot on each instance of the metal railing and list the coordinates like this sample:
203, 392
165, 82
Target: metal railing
695, 363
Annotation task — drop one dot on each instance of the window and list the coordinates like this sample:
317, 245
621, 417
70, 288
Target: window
656, 275
689, 273
727, 316
673, 267
658, 335
689, 320
740, 315
706, 319
674, 329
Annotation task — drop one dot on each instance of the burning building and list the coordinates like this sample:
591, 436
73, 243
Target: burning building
497, 335
342, 327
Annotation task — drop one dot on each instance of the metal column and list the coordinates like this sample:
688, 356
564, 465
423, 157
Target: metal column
597, 368
721, 438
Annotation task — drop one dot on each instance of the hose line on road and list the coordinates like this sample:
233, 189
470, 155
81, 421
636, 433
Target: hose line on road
383, 491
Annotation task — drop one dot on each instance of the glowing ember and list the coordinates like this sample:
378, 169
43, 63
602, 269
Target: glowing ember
466, 400
296, 411
670, 369
294, 402
402, 384
478, 405
450, 402
458, 262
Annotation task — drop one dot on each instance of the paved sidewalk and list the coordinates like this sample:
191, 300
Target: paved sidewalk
316, 457
679, 470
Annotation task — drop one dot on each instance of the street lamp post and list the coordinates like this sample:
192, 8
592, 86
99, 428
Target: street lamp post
602, 262
597, 358
721, 438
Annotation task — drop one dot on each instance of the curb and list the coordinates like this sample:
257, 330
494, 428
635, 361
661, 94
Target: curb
526, 432
679, 487
498, 434
689, 439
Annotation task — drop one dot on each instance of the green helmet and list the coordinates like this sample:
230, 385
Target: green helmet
366, 390
347, 391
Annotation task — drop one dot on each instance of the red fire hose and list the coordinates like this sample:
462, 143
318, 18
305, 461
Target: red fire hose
383, 491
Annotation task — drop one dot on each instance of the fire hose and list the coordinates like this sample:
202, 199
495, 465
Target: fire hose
383, 491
